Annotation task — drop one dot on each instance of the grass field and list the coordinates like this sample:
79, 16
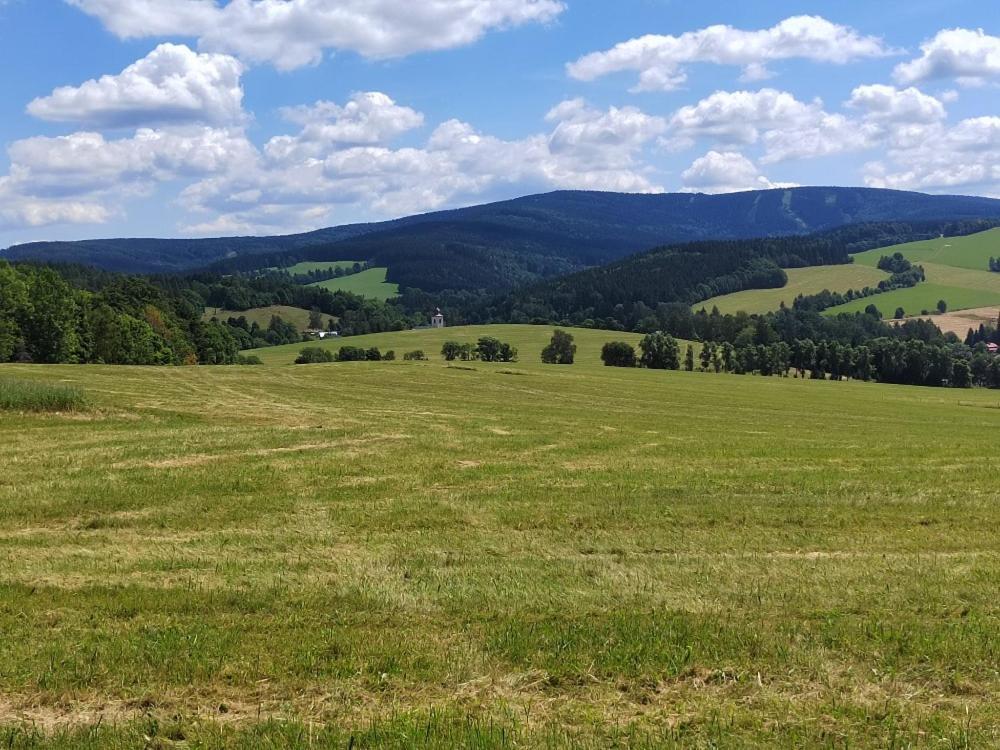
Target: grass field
956, 270
410, 555
325, 265
262, 315
528, 340
972, 252
369, 283
812, 280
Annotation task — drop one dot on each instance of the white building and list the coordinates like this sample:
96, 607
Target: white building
437, 319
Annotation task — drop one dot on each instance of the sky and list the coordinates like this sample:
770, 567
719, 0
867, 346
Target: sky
190, 118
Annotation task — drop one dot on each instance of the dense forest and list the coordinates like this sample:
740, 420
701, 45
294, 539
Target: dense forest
608, 296
499, 245
75, 314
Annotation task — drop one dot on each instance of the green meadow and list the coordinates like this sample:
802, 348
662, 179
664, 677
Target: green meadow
804, 281
972, 252
411, 554
297, 316
325, 265
368, 283
957, 270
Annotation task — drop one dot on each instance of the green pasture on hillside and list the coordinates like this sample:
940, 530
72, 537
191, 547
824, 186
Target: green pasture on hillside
528, 340
297, 316
971, 251
323, 265
369, 283
408, 554
805, 281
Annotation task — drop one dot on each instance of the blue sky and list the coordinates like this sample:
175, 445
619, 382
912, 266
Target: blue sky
206, 117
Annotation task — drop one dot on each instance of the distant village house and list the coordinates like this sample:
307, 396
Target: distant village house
437, 319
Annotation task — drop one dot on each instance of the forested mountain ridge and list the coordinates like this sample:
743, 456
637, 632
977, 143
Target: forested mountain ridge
504, 244
621, 294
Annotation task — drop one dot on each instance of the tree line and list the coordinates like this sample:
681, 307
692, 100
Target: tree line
72, 314
910, 362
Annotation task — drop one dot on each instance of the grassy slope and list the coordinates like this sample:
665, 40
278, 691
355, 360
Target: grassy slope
370, 283
806, 281
471, 558
307, 266
529, 341
956, 269
262, 315
972, 252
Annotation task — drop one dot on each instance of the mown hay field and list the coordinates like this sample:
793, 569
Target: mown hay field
409, 554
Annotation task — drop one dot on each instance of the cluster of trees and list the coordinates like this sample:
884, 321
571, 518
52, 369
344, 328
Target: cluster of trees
325, 274
316, 354
904, 275
659, 351
985, 334
249, 334
560, 350
487, 349
127, 320
74, 314
356, 315
911, 362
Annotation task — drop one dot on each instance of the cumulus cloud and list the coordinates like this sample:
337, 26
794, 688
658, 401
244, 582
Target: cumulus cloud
172, 84
888, 103
340, 158
86, 178
740, 116
294, 33
937, 158
660, 60
725, 172
587, 148
970, 57
369, 118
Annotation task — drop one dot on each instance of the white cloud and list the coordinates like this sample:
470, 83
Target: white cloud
888, 103
970, 57
587, 149
172, 84
659, 60
603, 136
788, 129
739, 116
938, 158
85, 178
294, 33
340, 159
725, 172
369, 118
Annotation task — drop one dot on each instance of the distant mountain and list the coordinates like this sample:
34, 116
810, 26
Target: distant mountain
505, 244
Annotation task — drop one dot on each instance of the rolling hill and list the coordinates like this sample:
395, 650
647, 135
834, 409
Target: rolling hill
504, 244
805, 281
956, 269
